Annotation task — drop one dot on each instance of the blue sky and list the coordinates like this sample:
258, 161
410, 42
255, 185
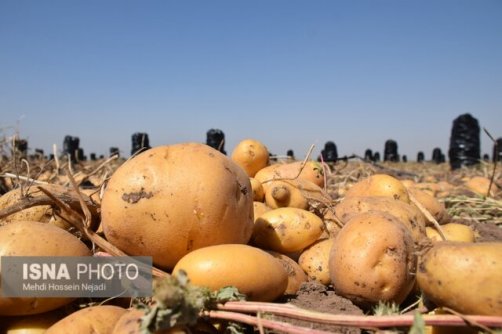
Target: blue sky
289, 73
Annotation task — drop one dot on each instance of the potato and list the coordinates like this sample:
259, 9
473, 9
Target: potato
372, 259
286, 230
30, 324
162, 204
251, 155
94, 319
39, 213
312, 171
258, 192
480, 185
36, 239
452, 232
406, 214
296, 275
314, 260
380, 185
431, 204
43, 213
465, 277
251, 270
259, 208
296, 193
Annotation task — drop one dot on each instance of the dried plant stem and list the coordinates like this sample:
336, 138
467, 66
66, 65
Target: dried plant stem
302, 166
492, 178
56, 159
24, 178
363, 321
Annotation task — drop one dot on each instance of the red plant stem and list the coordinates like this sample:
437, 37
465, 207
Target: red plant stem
254, 321
359, 320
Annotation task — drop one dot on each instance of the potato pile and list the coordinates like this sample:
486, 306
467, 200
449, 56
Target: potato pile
264, 227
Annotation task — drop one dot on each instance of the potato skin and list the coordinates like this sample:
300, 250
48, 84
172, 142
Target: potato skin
296, 275
89, 320
293, 194
314, 260
286, 230
36, 239
452, 232
258, 192
312, 171
162, 204
372, 259
407, 214
380, 185
254, 272
465, 277
39, 213
251, 155
429, 202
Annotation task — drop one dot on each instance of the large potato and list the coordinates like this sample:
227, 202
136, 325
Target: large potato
171, 200
36, 239
251, 155
286, 230
466, 277
254, 272
407, 214
372, 259
95, 319
380, 185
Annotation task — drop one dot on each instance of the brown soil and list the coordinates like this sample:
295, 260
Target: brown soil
317, 297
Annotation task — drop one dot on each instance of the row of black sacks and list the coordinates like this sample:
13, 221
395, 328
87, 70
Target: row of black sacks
464, 147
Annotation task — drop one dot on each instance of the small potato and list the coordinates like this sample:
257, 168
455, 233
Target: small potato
39, 213
286, 230
254, 272
407, 214
452, 232
431, 204
258, 192
465, 277
89, 320
311, 171
372, 259
380, 185
251, 155
315, 261
296, 275
480, 185
259, 208
36, 239
296, 193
